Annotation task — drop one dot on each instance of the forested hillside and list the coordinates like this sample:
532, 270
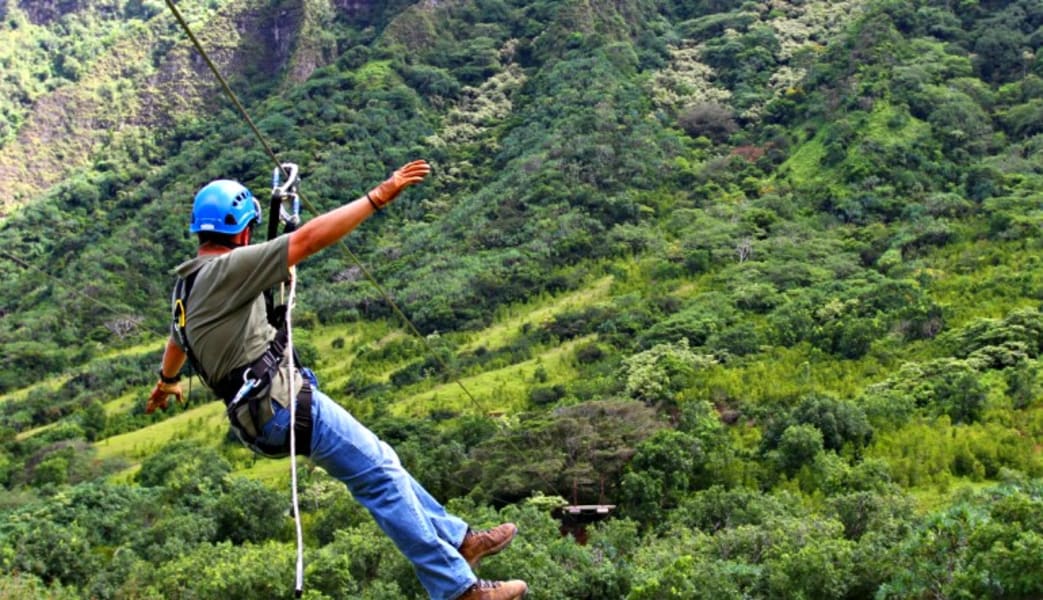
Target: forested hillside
763, 276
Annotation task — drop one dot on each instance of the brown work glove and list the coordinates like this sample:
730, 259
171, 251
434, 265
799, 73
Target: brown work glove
411, 173
158, 398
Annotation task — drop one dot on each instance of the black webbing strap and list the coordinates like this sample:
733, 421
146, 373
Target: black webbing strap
182, 289
260, 369
302, 427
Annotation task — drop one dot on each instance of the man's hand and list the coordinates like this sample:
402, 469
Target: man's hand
411, 173
162, 391
327, 228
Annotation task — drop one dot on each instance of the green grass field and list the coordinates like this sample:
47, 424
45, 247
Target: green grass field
536, 313
500, 391
204, 423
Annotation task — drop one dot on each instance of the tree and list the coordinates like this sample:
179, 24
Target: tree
578, 452
188, 472
709, 119
249, 511
93, 421
1022, 384
655, 376
841, 423
798, 446
820, 569
54, 552
960, 123
945, 386
686, 578
998, 53
967, 549
664, 469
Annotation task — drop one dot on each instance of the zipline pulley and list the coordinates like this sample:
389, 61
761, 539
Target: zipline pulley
286, 194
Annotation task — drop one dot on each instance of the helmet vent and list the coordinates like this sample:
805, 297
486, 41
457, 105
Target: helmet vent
229, 220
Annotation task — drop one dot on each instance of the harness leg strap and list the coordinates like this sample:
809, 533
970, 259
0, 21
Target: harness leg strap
302, 426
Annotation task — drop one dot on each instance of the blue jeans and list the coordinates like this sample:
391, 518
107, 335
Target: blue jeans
418, 525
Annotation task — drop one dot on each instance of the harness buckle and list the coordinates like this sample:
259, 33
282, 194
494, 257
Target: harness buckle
179, 311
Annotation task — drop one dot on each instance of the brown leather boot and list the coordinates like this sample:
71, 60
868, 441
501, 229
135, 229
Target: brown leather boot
495, 590
478, 544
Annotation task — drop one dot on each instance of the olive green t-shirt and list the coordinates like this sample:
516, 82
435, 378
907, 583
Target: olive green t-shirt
226, 323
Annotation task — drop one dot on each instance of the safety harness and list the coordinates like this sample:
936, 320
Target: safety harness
247, 386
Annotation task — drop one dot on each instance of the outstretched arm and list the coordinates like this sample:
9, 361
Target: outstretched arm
324, 230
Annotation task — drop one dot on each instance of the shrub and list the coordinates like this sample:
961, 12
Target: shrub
709, 119
542, 396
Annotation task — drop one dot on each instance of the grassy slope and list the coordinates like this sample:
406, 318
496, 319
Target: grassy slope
498, 391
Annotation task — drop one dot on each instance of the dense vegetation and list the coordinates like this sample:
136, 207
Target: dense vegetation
763, 275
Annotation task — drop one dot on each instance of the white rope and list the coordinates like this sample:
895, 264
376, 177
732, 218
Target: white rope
299, 582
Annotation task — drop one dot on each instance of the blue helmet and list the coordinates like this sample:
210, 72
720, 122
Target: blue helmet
224, 206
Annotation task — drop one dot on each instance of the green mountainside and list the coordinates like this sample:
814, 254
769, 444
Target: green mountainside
765, 276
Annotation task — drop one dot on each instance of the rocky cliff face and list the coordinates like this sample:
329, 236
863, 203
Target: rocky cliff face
136, 85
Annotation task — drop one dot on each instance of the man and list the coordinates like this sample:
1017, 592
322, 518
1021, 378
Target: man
221, 326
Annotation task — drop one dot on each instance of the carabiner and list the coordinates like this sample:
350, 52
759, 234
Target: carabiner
293, 181
249, 384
